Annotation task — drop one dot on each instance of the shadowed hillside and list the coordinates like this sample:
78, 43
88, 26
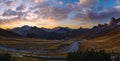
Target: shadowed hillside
110, 41
7, 33
105, 37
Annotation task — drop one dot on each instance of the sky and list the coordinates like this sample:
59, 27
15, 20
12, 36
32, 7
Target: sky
54, 13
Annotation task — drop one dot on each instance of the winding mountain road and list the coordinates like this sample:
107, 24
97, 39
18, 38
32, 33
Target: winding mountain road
74, 47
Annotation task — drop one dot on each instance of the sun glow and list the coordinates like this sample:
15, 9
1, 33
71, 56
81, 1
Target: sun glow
19, 23
28, 23
47, 23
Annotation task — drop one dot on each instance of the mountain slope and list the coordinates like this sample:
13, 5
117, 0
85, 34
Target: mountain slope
44, 33
100, 29
7, 33
105, 37
110, 41
67, 33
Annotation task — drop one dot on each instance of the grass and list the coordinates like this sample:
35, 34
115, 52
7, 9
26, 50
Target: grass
23, 59
30, 43
36, 44
108, 42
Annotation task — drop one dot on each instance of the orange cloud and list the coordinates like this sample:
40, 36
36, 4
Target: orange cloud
87, 3
37, 1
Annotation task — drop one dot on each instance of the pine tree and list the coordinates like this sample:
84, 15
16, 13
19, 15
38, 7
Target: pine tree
89, 56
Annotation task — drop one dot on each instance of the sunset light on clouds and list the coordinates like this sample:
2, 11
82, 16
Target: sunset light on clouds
53, 13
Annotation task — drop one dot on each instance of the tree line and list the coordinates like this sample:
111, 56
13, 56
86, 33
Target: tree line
89, 55
5, 56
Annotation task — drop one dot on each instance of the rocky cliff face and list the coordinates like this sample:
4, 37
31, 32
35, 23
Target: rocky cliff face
112, 21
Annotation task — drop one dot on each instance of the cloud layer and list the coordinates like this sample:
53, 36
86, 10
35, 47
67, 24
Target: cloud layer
59, 11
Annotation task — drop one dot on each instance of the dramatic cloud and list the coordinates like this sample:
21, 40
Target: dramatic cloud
8, 17
118, 2
9, 12
37, 1
88, 3
31, 16
60, 2
22, 8
58, 12
10, 3
99, 16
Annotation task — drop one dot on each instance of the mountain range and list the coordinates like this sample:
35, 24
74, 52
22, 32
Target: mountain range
62, 32
101, 29
7, 33
109, 40
56, 33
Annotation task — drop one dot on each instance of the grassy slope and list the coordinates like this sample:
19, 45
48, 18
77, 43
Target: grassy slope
23, 59
36, 44
109, 42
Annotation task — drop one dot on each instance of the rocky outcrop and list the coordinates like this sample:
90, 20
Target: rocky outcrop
112, 21
102, 29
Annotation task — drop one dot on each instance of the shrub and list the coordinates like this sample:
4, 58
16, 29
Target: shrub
5, 57
89, 56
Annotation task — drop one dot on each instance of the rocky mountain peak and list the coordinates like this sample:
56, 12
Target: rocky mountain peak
112, 21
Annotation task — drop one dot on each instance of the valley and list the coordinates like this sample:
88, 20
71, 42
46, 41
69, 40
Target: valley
37, 46
42, 43
59, 30
38, 49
